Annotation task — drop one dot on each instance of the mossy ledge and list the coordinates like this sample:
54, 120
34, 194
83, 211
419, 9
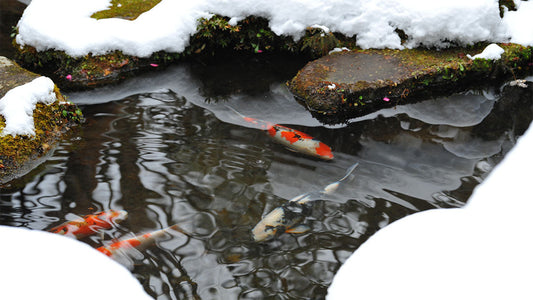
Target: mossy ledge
20, 154
215, 38
349, 84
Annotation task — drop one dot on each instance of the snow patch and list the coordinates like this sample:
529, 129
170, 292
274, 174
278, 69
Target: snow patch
18, 104
492, 51
42, 265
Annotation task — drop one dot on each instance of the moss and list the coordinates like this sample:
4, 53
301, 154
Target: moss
506, 4
318, 43
126, 9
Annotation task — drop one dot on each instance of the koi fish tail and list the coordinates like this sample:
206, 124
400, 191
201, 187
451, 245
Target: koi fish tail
235, 111
330, 188
349, 171
259, 124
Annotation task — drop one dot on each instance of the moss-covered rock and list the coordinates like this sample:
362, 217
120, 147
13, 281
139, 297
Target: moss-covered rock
348, 84
214, 37
19, 154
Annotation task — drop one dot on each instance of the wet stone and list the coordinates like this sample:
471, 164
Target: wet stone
349, 84
351, 67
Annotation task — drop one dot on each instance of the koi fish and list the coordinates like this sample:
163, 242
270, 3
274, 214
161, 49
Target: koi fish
90, 224
291, 138
287, 218
139, 242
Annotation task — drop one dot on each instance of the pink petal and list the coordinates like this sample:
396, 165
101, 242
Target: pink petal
69, 77
154, 65
386, 99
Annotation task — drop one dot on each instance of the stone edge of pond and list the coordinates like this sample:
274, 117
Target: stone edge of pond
215, 39
426, 73
21, 154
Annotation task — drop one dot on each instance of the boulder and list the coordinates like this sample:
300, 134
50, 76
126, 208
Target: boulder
349, 84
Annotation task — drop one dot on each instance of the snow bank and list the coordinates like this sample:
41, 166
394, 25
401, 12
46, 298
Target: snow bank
42, 265
66, 24
18, 104
481, 251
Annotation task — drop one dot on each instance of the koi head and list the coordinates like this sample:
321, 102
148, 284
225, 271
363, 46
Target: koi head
89, 224
285, 218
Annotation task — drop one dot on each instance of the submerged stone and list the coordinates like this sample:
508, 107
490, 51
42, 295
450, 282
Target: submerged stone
348, 84
19, 154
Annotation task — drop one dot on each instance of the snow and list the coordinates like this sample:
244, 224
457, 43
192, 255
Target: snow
492, 51
480, 251
18, 104
41, 265
67, 25
519, 23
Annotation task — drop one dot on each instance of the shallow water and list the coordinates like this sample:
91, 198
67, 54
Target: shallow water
166, 148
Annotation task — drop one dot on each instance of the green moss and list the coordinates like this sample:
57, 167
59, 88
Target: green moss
126, 9
318, 43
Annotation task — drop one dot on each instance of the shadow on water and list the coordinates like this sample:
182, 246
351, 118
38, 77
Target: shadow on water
155, 147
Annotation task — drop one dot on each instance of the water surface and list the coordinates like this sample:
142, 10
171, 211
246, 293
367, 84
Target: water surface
166, 148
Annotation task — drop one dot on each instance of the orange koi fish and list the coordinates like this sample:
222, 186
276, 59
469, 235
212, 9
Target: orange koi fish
90, 224
291, 138
287, 218
139, 242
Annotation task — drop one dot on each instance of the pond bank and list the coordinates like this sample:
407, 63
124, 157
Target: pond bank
19, 153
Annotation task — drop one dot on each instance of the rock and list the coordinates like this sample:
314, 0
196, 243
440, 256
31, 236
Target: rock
348, 84
21, 153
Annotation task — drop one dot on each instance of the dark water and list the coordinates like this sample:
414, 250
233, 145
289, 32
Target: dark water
165, 147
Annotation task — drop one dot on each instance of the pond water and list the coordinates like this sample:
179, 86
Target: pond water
166, 148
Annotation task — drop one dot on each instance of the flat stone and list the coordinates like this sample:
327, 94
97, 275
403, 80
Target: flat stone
352, 66
348, 84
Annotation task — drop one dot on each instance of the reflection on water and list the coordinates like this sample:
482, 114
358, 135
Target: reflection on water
153, 147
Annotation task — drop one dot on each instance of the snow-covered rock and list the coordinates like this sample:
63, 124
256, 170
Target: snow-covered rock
67, 24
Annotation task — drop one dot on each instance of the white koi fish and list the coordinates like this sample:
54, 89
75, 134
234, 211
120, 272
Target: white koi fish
291, 138
287, 218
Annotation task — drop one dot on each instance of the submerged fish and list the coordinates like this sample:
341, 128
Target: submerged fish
292, 138
287, 218
90, 224
139, 242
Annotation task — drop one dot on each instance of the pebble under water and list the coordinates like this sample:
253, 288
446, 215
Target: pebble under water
166, 148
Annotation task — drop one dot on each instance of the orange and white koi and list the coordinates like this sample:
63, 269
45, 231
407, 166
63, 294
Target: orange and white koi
139, 242
90, 224
287, 218
291, 138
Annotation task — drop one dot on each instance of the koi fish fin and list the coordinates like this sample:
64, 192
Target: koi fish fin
332, 187
177, 228
293, 150
350, 171
235, 111
298, 229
